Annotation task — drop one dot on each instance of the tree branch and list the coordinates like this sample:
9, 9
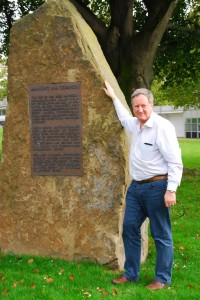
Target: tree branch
97, 25
122, 16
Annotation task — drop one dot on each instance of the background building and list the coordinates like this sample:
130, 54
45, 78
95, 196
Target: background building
186, 122
3, 105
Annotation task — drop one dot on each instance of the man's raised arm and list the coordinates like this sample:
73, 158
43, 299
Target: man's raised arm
109, 91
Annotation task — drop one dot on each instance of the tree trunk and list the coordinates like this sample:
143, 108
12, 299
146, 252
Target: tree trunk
136, 69
130, 54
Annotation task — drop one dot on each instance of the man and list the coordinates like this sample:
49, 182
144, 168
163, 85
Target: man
156, 168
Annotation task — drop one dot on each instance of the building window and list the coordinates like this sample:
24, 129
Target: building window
192, 128
2, 112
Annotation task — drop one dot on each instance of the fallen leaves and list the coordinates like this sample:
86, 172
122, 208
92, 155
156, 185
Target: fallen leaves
6, 292
61, 271
115, 291
36, 271
106, 293
190, 286
49, 280
87, 294
45, 276
102, 291
3, 278
198, 236
14, 285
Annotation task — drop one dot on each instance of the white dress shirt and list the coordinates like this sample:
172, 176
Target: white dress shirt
154, 148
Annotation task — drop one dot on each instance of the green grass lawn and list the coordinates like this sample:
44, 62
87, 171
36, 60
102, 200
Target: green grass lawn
28, 277
190, 153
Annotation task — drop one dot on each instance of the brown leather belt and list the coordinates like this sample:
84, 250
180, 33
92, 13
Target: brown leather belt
158, 177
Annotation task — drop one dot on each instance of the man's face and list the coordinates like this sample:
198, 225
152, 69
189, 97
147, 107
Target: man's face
142, 109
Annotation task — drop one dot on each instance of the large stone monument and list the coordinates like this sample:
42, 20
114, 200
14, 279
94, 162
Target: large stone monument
74, 216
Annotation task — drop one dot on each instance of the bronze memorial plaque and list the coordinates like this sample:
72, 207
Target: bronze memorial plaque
56, 129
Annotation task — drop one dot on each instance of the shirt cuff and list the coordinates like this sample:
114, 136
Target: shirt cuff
171, 186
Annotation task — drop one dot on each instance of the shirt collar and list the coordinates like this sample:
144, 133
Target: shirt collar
149, 122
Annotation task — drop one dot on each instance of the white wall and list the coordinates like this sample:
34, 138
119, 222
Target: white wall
177, 117
178, 121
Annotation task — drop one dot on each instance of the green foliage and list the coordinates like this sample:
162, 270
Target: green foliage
177, 65
7, 17
10, 11
28, 6
139, 15
3, 79
101, 9
177, 95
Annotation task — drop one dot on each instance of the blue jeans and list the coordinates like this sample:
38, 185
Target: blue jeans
142, 201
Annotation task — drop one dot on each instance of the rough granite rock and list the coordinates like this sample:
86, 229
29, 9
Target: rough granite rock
69, 217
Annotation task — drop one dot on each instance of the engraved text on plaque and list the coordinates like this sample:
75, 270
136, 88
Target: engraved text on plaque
56, 129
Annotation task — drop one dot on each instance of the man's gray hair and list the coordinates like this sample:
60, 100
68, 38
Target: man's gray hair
144, 92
